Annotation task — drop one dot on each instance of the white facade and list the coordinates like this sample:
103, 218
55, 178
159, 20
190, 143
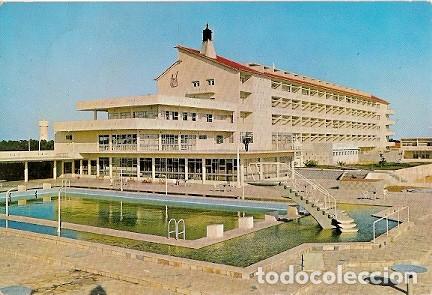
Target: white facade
205, 109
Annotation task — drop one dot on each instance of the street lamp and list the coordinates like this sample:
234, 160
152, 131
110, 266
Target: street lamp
166, 195
166, 184
121, 179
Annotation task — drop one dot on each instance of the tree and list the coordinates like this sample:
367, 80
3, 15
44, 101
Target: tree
311, 163
383, 161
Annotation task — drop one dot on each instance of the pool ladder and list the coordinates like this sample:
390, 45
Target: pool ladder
175, 231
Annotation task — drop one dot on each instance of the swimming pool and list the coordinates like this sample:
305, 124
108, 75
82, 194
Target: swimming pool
148, 217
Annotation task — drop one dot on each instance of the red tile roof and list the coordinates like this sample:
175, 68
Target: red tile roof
244, 68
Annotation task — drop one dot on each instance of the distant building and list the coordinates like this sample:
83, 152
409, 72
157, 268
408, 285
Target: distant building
416, 149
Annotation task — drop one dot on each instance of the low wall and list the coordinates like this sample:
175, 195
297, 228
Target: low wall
415, 174
370, 185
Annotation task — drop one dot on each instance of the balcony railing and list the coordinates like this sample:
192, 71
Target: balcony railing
124, 147
104, 147
144, 124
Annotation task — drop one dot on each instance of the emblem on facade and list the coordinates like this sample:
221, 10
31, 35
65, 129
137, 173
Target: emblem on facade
174, 81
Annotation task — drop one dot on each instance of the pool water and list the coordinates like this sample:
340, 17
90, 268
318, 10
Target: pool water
242, 251
140, 218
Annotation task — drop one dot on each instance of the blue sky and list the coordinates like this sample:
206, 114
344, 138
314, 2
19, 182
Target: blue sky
53, 54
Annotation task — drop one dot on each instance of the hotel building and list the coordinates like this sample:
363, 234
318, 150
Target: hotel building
205, 110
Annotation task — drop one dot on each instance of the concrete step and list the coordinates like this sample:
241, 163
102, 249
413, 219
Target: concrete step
344, 219
347, 225
349, 230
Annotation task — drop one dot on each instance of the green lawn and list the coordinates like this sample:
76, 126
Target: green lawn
374, 166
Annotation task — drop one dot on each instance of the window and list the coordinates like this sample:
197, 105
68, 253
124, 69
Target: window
219, 139
211, 81
149, 142
244, 135
221, 169
202, 136
167, 115
125, 115
122, 142
169, 142
175, 115
69, 137
113, 115
185, 116
195, 83
187, 141
209, 117
194, 116
103, 139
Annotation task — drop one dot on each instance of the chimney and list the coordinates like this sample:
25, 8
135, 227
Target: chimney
207, 45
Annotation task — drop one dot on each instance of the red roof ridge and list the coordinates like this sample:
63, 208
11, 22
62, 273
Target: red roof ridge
244, 68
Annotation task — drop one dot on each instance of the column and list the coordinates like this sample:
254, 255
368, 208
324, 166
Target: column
97, 167
186, 169
138, 141
278, 167
292, 169
26, 171
62, 168
55, 170
238, 166
89, 167
81, 168
160, 141
110, 142
110, 168
261, 170
179, 142
242, 172
95, 115
138, 168
203, 171
73, 167
153, 169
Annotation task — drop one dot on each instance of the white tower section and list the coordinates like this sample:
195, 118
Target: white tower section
43, 130
207, 45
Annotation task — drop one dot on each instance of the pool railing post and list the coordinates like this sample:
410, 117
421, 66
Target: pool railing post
387, 223
121, 179
59, 213
8, 195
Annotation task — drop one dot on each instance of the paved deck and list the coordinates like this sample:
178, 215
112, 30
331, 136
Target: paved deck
115, 272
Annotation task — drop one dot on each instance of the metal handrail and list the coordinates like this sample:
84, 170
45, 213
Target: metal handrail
386, 217
183, 232
59, 211
8, 195
175, 228
329, 200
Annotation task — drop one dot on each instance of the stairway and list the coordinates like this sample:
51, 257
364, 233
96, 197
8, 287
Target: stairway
309, 194
314, 208
324, 212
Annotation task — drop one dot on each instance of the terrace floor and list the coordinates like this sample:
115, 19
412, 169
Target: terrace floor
50, 267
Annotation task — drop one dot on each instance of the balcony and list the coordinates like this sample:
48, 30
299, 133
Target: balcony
143, 124
204, 91
20, 156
